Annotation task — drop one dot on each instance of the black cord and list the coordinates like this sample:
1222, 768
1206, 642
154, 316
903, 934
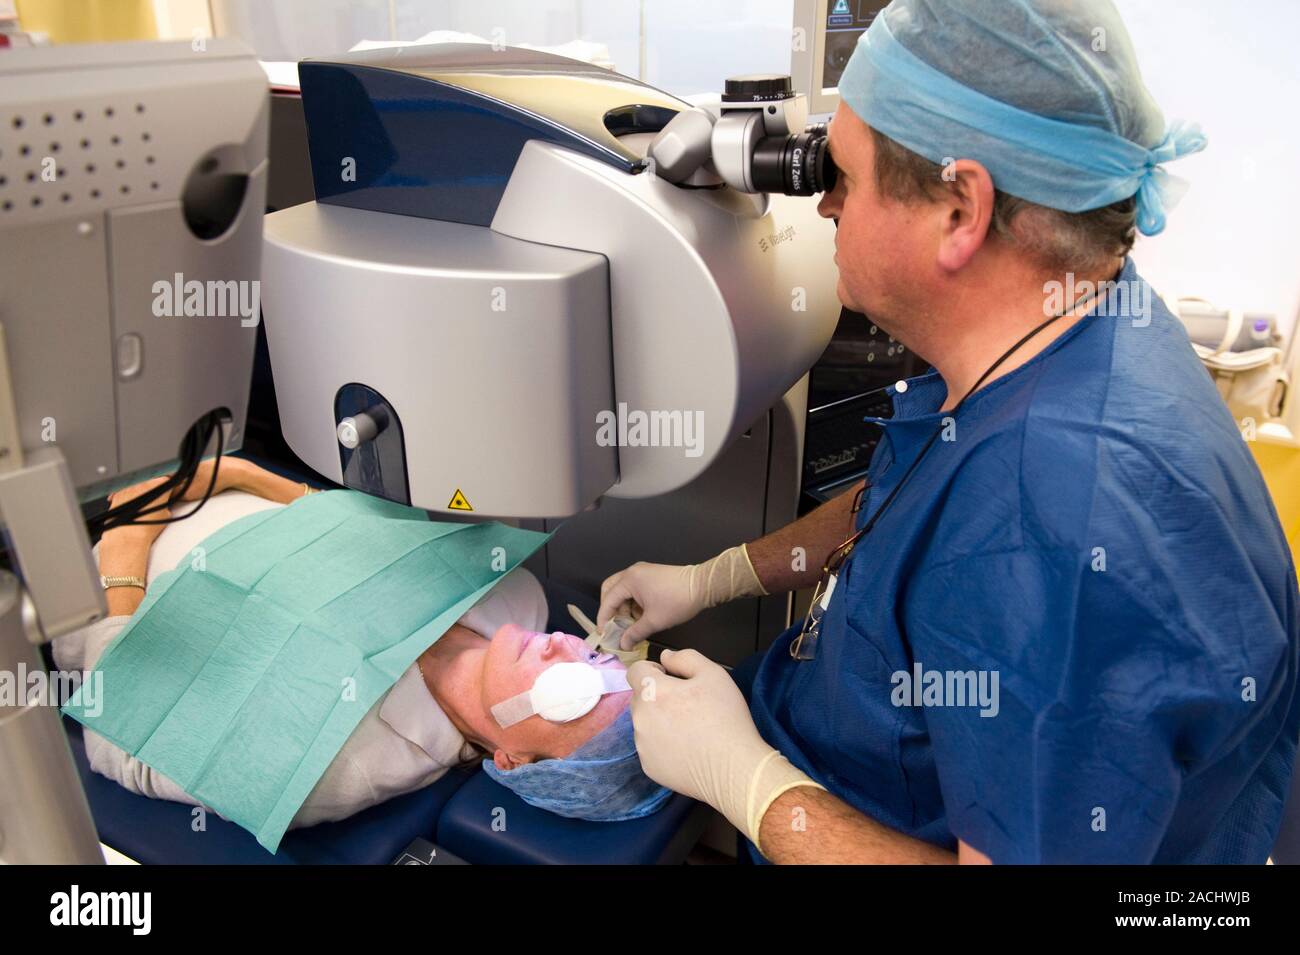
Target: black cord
160, 498
846, 548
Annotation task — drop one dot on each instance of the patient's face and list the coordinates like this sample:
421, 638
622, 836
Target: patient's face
514, 659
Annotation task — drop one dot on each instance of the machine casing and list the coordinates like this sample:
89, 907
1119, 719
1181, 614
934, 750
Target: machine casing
109, 153
131, 175
489, 257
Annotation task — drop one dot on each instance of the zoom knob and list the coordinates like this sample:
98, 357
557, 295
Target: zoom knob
757, 88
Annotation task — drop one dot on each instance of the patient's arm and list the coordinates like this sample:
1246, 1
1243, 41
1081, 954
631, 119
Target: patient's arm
123, 554
124, 551
236, 474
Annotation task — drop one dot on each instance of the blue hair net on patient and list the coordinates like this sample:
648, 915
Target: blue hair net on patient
1045, 94
601, 780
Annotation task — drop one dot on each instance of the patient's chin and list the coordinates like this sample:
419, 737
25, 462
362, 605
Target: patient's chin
508, 631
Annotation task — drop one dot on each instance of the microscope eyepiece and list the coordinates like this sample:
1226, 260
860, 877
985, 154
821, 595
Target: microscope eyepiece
749, 143
795, 165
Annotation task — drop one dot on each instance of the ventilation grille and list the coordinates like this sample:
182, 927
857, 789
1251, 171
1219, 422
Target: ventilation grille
77, 159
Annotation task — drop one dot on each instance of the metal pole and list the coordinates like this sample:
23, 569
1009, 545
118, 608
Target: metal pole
44, 817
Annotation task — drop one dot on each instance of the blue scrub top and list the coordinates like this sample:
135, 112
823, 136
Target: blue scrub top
1098, 536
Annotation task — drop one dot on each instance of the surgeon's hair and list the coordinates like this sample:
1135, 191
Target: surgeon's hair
1060, 241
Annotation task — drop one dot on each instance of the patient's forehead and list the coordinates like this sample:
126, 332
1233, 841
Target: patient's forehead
517, 657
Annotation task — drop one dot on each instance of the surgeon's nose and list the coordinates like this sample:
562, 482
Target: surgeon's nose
828, 207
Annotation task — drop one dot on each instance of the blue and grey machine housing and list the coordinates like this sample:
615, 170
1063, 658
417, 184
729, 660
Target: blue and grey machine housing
489, 266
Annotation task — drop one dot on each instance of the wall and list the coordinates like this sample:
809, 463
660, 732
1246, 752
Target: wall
1232, 67
683, 46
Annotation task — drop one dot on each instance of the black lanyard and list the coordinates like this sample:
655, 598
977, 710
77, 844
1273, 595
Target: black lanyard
866, 528
836, 558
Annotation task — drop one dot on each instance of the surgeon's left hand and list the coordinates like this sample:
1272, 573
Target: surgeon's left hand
694, 735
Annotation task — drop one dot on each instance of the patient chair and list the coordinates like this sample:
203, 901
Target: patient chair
456, 814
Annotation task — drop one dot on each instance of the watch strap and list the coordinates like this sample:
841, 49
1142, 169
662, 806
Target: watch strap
121, 581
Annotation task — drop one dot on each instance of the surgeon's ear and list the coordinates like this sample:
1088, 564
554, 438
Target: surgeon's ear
507, 761
968, 211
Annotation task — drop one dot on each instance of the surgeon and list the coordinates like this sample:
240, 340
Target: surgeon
1058, 621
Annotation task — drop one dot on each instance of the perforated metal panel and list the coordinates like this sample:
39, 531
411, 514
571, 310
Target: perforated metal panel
81, 155
85, 129
123, 166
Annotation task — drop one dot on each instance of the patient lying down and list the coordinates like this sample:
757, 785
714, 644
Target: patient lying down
437, 715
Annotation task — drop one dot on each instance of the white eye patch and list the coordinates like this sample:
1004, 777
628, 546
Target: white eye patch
561, 693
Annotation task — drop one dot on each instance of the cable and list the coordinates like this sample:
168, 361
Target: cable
160, 498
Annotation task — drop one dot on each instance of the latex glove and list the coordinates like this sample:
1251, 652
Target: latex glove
659, 596
694, 735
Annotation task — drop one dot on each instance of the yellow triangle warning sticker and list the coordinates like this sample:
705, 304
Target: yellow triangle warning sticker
458, 502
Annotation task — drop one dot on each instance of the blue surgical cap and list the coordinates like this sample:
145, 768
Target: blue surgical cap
601, 781
1045, 94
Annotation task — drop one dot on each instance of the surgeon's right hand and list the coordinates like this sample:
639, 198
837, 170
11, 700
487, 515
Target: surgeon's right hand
659, 596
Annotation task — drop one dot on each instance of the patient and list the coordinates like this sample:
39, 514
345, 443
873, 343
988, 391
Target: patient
439, 712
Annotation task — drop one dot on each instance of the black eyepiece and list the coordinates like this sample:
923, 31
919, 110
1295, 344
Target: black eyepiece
796, 165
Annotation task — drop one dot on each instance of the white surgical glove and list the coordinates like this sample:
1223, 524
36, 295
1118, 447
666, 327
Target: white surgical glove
694, 735
659, 596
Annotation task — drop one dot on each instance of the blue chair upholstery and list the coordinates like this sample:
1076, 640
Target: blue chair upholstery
485, 823
158, 832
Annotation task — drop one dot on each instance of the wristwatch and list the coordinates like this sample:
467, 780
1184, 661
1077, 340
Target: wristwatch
107, 582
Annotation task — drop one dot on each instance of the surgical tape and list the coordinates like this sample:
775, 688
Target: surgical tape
561, 693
